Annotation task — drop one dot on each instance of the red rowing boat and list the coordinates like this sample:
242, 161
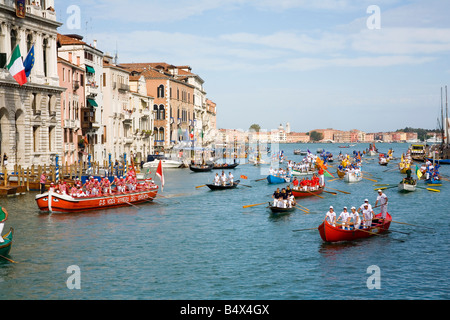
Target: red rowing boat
56, 202
301, 194
328, 233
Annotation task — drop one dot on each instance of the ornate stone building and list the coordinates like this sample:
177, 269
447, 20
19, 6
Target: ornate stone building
30, 115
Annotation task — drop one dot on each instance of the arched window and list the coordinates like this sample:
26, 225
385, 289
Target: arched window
162, 112
156, 110
161, 134
161, 91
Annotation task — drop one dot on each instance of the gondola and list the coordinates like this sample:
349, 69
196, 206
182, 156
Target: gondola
201, 168
329, 233
213, 187
225, 166
5, 247
341, 173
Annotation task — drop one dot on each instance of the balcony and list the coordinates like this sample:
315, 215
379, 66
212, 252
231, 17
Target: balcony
123, 87
128, 140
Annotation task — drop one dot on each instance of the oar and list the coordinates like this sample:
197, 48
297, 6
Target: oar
246, 186
381, 185
304, 230
200, 187
370, 179
254, 205
429, 189
260, 180
301, 209
413, 225
7, 259
330, 192
339, 190
334, 180
315, 195
385, 188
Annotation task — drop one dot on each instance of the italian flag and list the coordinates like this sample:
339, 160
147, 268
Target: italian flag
16, 67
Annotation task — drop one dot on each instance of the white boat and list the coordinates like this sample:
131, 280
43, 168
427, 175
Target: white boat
302, 173
372, 153
407, 187
166, 163
352, 177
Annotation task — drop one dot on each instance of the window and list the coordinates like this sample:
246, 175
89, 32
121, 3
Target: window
162, 112
44, 51
156, 109
160, 93
29, 42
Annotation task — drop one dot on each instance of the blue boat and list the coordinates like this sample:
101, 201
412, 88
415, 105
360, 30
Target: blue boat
275, 180
441, 161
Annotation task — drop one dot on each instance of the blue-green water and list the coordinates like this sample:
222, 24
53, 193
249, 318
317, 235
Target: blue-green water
202, 245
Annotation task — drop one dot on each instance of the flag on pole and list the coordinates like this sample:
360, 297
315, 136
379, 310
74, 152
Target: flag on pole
327, 173
29, 62
16, 67
160, 174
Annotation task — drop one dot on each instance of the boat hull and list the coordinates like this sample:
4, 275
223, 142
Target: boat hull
201, 168
167, 164
280, 211
405, 187
328, 233
351, 177
303, 194
213, 187
226, 166
275, 180
54, 202
440, 161
5, 247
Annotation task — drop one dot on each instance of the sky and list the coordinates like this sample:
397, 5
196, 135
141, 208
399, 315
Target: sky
375, 65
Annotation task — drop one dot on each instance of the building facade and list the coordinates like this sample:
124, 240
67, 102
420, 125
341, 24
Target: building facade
30, 115
71, 77
92, 128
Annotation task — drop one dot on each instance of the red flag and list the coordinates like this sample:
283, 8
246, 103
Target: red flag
160, 174
244, 177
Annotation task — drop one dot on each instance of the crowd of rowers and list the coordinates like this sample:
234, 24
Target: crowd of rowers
97, 187
352, 221
223, 179
283, 198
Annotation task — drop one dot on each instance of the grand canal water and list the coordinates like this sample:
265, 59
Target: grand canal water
202, 245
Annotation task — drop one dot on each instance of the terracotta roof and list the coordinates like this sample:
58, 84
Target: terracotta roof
66, 40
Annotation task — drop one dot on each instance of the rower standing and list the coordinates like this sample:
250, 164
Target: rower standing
367, 216
355, 217
383, 199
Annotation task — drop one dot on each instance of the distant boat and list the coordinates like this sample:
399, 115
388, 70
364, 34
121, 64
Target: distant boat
280, 211
352, 177
201, 168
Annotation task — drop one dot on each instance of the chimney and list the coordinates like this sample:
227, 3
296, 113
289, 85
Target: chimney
70, 57
95, 44
78, 60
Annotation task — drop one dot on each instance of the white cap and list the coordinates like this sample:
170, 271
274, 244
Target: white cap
353, 208
380, 191
331, 207
367, 200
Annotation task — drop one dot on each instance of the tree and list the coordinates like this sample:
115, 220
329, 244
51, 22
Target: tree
316, 136
255, 127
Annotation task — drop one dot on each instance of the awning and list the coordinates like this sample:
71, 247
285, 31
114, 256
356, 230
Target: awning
92, 102
90, 69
